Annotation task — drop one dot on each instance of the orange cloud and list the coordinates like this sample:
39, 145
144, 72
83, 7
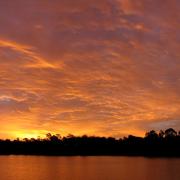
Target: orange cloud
38, 62
89, 67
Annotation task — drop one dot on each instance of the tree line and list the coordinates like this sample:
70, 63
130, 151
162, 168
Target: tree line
162, 143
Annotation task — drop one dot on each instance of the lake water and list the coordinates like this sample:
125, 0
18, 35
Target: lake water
88, 168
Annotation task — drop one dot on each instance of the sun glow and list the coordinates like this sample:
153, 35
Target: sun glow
22, 135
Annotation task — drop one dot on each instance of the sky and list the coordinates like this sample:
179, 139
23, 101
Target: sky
95, 67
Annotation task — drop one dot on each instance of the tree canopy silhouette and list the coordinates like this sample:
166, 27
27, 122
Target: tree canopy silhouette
162, 143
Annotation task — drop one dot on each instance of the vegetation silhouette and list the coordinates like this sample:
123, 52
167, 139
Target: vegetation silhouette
163, 143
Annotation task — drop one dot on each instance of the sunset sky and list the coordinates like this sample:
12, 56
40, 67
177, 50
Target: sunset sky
95, 67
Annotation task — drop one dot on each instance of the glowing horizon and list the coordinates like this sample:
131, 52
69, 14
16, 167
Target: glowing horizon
105, 68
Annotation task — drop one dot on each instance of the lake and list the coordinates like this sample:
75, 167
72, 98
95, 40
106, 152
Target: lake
88, 168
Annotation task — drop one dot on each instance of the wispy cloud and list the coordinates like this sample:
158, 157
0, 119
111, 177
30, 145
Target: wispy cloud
89, 67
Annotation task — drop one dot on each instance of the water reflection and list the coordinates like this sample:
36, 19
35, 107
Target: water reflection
88, 168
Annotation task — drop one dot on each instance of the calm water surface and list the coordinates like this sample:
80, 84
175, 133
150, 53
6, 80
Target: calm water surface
88, 168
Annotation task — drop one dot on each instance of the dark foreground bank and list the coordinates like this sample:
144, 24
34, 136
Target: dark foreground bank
165, 143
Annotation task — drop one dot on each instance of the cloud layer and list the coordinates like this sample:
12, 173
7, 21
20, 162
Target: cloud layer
109, 67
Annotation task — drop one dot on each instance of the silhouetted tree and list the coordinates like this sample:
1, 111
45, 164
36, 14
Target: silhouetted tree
164, 143
48, 136
170, 132
54, 138
25, 139
151, 134
161, 134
